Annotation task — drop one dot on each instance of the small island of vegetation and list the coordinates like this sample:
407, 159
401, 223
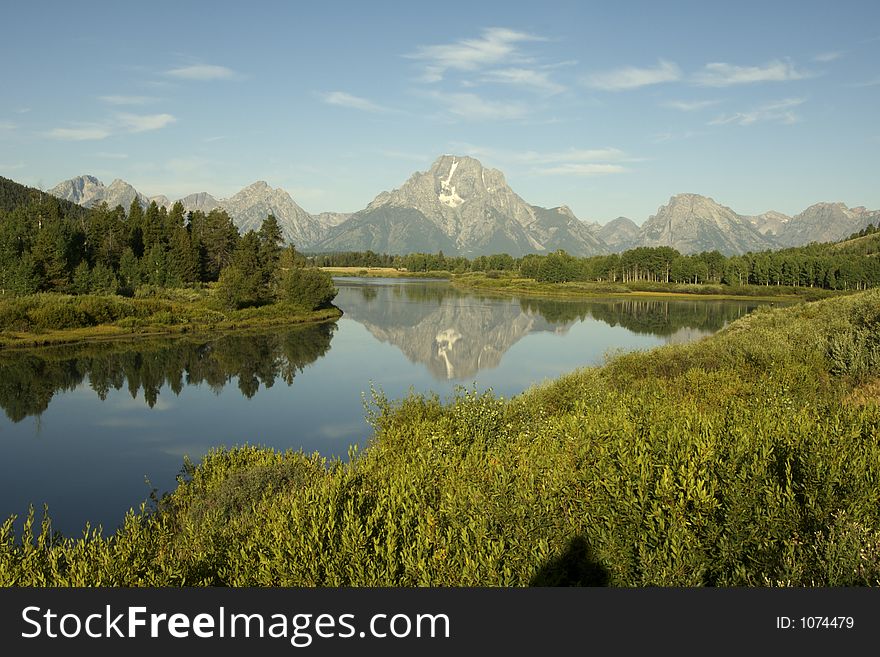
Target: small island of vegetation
69, 274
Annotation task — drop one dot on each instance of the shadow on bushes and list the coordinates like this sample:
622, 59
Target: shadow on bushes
577, 566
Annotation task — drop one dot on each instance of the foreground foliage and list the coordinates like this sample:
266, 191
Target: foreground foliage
742, 459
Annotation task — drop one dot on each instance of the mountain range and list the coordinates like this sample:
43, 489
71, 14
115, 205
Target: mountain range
460, 207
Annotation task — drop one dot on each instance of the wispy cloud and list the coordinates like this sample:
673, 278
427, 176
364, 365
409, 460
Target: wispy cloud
669, 135
780, 111
830, 56
202, 72
588, 169
690, 105
720, 74
572, 155
476, 108
81, 133
569, 162
7, 126
343, 99
868, 83
210, 140
127, 100
496, 45
144, 122
536, 80
630, 77
112, 156
12, 167
119, 124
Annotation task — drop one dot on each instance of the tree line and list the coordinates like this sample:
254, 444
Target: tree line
417, 262
49, 245
855, 267
810, 266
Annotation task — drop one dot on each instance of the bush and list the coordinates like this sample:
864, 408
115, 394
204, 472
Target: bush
306, 287
236, 289
63, 314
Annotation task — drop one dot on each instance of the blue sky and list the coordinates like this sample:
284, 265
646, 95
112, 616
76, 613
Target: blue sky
609, 108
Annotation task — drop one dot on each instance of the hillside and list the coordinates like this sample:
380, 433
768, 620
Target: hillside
13, 195
865, 245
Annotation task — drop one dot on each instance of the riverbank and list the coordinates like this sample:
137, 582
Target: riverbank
512, 285
384, 272
52, 319
749, 458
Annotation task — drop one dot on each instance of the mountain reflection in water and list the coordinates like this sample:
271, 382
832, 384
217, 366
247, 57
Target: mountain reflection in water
455, 333
85, 425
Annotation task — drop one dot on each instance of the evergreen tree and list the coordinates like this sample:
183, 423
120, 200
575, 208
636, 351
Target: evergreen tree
19, 277
215, 237
155, 266
82, 280
136, 228
184, 257
129, 271
51, 257
103, 280
271, 239
153, 227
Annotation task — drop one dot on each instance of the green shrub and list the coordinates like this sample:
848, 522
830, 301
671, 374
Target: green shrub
236, 289
62, 314
309, 288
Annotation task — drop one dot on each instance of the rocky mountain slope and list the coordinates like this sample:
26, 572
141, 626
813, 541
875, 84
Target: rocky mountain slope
619, 234
692, 223
461, 207
202, 201
88, 191
247, 208
770, 223
826, 222
250, 206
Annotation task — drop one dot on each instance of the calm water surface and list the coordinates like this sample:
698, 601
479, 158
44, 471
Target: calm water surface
84, 426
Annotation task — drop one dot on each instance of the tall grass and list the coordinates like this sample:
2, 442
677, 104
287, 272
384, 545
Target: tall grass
734, 461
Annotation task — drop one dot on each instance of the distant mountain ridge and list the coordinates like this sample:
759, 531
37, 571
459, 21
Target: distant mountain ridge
247, 208
692, 223
460, 207
619, 234
88, 191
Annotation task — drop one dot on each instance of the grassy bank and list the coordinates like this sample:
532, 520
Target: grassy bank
46, 319
384, 272
508, 284
748, 458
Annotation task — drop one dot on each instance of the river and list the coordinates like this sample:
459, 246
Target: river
90, 429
